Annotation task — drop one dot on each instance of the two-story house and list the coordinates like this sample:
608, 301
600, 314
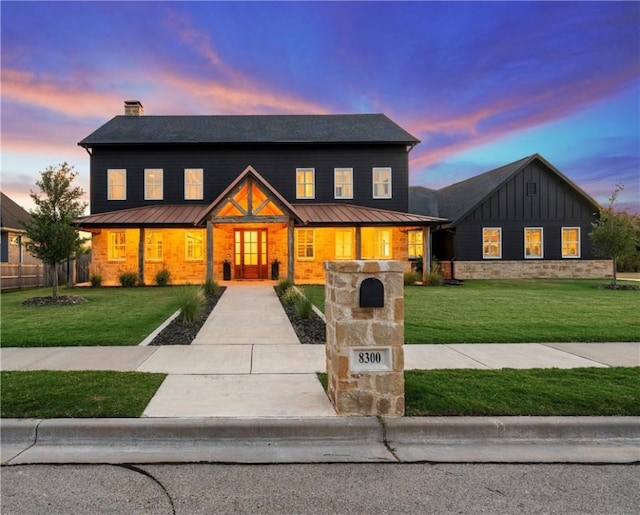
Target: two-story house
250, 195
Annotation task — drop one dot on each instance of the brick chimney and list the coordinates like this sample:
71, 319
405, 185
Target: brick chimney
133, 108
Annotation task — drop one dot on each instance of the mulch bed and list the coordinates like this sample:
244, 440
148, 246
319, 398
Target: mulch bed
62, 300
311, 330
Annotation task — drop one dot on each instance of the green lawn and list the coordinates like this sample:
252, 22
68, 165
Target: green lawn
516, 311
90, 394
113, 316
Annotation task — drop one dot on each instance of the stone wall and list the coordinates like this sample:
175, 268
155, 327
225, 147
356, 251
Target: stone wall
533, 269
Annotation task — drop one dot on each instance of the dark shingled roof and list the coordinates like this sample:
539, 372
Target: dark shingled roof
267, 129
11, 214
423, 201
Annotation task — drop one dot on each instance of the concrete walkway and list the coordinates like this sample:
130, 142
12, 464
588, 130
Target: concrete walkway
247, 361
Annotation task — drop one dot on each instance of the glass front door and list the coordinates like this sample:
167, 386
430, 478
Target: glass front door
250, 259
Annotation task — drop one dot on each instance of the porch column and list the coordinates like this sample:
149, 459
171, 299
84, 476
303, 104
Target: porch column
358, 243
290, 250
210, 272
426, 253
141, 257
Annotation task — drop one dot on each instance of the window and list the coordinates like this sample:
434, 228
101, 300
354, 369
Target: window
532, 189
571, 242
153, 184
116, 184
533, 242
415, 244
116, 248
492, 243
153, 247
193, 184
305, 187
344, 243
382, 183
376, 243
343, 182
194, 245
305, 244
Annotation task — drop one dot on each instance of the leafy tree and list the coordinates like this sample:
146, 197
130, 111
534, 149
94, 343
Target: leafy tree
615, 233
51, 232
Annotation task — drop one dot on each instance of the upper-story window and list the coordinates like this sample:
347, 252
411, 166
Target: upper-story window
533, 243
343, 182
571, 242
116, 184
492, 243
153, 184
305, 183
382, 182
193, 184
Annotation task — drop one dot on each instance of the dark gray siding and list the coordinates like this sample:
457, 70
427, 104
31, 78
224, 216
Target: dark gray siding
555, 205
276, 164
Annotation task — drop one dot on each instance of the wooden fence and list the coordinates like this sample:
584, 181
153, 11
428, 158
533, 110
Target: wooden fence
22, 276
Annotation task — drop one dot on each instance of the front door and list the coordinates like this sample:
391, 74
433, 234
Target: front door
250, 254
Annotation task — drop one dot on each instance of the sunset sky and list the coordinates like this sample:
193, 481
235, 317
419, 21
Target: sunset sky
481, 84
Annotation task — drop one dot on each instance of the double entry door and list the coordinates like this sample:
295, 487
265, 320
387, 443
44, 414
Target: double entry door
250, 260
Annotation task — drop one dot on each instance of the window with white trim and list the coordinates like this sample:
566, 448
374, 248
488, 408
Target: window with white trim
193, 184
571, 242
533, 243
194, 245
344, 243
153, 246
116, 184
492, 243
117, 246
153, 189
343, 182
415, 244
305, 183
305, 243
376, 243
382, 182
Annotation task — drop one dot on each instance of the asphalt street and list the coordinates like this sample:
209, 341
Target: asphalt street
336, 489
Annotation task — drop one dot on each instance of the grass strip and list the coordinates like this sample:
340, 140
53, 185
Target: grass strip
84, 394
531, 392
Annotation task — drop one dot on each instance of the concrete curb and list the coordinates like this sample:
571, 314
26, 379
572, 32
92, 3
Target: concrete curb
323, 440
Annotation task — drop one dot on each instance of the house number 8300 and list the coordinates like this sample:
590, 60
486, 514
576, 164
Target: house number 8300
369, 357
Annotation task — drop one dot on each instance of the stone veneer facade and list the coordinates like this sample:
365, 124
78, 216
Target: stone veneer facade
348, 325
533, 269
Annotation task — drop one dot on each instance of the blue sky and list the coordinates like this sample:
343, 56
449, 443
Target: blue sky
481, 84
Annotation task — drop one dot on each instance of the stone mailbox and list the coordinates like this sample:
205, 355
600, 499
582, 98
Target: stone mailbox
364, 310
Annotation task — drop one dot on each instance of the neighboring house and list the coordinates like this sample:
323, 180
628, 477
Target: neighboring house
13, 239
255, 196
524, 219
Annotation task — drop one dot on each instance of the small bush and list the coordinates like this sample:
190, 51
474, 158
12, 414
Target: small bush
434, 277
96, 280
128, 279
163, 277
191, 301
290, 296
411, 278
210, 287
302, 307
283, 286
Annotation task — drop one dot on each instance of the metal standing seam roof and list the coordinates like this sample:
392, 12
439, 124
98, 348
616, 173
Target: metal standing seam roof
246, 129
146, 215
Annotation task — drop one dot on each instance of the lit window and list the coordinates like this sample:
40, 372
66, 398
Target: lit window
116, 185
533, 242
153, 248
343, 182
492, 243
376, 243
571, 242
116, 249
305, 246
153, 184
415, 244
305, 187
382, 183
193, 184
194, 245
344, 244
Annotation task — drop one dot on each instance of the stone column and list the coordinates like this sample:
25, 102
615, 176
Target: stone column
364, 309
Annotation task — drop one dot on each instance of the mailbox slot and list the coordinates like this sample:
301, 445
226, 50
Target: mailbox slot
371, 293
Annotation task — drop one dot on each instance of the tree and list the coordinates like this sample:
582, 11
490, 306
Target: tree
52, 235
614, 234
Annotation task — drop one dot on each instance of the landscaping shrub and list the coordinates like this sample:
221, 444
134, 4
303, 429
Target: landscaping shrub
283, 286
290, 296
191, 301
96, 280
163, 277
128, 279
210, 287
434, 277
411, 278
302, 307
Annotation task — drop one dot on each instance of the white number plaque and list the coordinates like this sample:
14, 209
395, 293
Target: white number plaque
370, 359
